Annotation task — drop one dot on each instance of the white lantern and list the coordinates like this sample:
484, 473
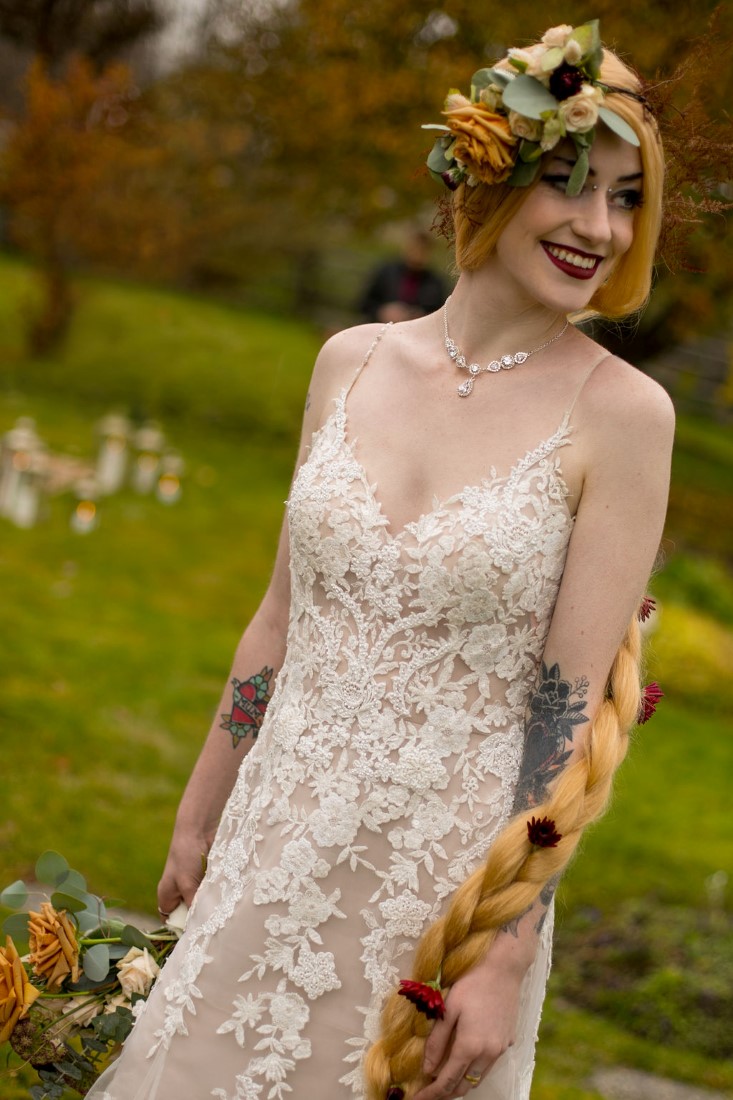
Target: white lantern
22, 468
149, 441
172, 467
113, 431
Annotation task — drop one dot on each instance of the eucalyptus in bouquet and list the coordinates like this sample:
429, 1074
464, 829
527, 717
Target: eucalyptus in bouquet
70, 1000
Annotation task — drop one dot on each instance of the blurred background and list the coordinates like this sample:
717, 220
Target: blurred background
192, 195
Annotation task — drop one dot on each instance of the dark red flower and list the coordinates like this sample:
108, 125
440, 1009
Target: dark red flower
542, 832
566, 80
650, 696
395, 1093
426, 998
647, 605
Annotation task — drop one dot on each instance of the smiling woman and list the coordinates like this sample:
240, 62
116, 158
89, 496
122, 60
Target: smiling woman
448, 648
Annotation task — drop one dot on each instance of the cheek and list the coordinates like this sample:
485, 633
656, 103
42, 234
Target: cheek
625, 236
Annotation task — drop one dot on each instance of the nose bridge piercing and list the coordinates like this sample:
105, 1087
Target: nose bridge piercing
594, 187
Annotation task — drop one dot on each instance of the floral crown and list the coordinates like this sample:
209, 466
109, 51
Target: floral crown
522, 107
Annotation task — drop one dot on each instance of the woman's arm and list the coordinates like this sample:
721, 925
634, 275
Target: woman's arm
618, 526
257, 662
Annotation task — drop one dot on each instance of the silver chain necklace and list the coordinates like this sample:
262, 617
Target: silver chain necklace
505, 362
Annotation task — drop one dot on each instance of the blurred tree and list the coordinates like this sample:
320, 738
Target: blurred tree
98, 29
334, 94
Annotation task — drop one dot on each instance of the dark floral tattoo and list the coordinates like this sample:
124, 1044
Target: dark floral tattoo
556, 707
248, 706
547, 893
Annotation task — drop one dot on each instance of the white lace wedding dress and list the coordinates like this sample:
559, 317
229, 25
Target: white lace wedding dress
384, 768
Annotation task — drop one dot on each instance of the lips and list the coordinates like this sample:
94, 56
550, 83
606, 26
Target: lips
572, 261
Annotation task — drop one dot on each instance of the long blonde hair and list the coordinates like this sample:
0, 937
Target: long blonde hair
481, 213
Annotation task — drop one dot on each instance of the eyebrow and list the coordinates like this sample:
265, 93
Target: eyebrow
591, 172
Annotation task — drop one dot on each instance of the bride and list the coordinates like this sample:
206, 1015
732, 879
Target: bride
431, 701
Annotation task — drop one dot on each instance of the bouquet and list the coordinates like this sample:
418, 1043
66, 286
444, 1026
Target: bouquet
69, 1002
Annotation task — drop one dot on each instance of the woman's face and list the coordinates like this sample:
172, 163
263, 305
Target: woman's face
558, 250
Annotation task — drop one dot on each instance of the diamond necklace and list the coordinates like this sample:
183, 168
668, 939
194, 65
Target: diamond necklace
504, 362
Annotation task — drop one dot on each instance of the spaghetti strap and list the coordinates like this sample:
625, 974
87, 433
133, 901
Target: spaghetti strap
370, 351
591, 370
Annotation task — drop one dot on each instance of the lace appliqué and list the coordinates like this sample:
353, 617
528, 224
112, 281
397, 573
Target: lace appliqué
388, 756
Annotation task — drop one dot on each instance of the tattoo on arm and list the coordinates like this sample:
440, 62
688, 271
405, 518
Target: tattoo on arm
556, 707
307, 400
547, 893
249, 703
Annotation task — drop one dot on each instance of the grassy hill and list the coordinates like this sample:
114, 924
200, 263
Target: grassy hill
115, 645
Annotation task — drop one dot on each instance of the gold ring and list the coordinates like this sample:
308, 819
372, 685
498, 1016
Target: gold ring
472, 1079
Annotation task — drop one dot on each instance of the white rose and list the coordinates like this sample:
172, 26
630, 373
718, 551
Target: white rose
138, 970
579, 113
529, 129
118, 1001
177, 919
573, 52
557, 36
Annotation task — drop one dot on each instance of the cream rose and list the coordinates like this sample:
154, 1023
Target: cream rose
528, 129
491, 96
557, 36
138, 970
579, 113
82, 1010
531, 57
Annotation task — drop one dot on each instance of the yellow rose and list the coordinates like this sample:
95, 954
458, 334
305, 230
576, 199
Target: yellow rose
54, 952
484, 142
16, 992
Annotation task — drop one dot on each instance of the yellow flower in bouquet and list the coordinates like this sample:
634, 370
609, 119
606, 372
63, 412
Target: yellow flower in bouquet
54, 951
16, 992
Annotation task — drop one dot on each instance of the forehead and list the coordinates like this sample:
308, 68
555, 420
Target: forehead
609, 155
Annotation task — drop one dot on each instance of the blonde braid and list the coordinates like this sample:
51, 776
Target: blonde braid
512, 877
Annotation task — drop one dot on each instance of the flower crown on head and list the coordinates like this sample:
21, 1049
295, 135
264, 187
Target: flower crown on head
522, 107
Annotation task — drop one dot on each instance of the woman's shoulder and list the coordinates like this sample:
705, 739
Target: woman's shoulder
620, 398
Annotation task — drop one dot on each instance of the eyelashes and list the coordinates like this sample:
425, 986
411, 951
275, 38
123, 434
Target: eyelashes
627, 198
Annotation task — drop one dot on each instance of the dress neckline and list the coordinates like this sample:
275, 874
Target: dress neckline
559, 438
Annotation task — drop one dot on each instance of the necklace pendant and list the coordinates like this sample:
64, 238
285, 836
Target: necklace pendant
494, 366
521, 357
465, 387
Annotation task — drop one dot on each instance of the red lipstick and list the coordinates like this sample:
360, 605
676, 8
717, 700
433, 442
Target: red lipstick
570, 269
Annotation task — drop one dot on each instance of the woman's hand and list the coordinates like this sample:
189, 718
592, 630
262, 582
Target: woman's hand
480, 1023
183, 871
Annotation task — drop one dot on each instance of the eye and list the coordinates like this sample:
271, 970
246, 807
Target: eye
557, 181
628, 199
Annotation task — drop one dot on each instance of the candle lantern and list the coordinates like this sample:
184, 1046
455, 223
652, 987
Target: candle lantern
22, 467
172, 467
113, 431
85, 516
149, 441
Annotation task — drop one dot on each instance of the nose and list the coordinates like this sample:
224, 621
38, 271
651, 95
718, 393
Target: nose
592, 217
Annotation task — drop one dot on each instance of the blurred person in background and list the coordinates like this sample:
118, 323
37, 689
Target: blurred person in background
404, 288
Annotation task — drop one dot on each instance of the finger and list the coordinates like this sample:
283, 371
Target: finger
451, 1081
169, 896
438, 1044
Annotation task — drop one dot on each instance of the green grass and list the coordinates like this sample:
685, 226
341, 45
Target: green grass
116, 645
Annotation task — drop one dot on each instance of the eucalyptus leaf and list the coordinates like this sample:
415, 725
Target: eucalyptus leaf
523, 173
552, 59
618, 125
96, 962
530, 151
87, 922
588, 36
435, 126
529, 97
61, 900
51, 867
133, 937
73, 879
437, 160
579, 174
118, 950
481, 79
16, 926
14, 896
502, 77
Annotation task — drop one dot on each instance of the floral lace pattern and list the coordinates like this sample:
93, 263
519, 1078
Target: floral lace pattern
383, 770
